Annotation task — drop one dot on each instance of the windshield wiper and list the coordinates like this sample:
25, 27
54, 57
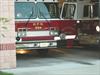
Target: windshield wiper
49, 25
26, 24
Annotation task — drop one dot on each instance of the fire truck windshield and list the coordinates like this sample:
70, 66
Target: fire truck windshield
24, 10
40, 10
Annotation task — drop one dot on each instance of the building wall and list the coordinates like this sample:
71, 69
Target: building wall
7, 35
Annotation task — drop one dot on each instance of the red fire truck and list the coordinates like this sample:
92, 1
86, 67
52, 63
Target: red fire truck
86, 13
88, 23
41, 24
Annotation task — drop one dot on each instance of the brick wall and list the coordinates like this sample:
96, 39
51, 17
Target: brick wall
7, 35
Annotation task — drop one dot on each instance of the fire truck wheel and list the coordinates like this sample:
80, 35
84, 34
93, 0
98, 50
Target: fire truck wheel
42, 51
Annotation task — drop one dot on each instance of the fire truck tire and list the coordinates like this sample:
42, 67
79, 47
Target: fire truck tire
42, 51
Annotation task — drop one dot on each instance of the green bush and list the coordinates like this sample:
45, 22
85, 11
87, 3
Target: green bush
5, 73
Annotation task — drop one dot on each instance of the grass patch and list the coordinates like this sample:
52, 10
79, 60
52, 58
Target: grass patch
5, 73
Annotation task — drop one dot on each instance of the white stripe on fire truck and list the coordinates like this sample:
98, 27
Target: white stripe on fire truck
36, 33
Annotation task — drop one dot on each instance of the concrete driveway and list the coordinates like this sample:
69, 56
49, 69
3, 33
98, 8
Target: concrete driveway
59, 62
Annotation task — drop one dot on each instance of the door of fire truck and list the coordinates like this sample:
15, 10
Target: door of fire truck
68, 14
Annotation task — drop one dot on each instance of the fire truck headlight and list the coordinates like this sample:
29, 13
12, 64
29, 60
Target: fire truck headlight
78, 21
21, 34
98, 28
53, 32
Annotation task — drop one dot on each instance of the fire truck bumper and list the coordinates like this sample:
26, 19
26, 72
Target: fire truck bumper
41, 44
36, 44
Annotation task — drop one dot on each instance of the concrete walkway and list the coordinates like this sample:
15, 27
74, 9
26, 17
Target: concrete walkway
60, 69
